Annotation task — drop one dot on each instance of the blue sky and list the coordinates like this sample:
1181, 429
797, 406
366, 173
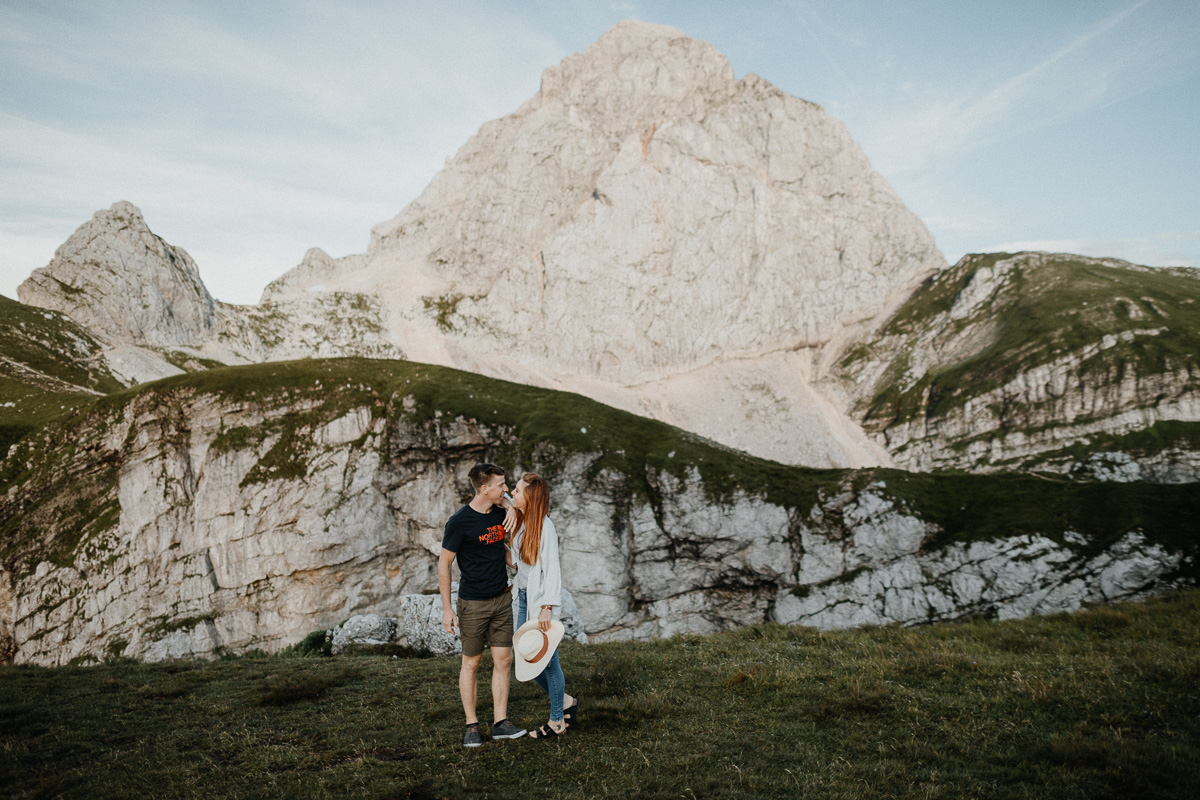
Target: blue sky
249, 132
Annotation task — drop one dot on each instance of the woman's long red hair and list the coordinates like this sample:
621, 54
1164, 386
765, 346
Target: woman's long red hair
537, 506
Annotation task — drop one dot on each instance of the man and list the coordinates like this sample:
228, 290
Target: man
475, 536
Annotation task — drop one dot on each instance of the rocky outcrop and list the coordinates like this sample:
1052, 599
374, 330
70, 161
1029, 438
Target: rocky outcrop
117, 278
143, 300
247, 507
1038, 361
362, 629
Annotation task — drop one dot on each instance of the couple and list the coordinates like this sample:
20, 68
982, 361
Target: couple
475, 537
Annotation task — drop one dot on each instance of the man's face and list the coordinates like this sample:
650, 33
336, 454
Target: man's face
494, 489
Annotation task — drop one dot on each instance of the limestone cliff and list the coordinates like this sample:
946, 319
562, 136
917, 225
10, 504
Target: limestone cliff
245, 507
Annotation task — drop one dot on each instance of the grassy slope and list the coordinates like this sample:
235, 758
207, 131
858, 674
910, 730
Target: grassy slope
1100, 704
541, 427
1047, 311
53, 366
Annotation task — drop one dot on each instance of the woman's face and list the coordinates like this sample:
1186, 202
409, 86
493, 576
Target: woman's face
518, 496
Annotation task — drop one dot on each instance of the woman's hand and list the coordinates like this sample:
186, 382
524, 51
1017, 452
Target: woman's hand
544, 619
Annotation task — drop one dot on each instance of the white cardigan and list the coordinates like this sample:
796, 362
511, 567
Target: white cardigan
542, 581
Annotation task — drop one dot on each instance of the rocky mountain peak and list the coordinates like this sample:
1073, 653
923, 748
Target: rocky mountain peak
117, 278
637, 70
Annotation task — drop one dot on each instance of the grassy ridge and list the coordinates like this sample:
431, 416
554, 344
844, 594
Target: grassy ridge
531, 426
1049, 308
1097, 704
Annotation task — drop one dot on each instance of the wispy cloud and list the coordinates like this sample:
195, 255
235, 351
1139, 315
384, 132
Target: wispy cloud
939, 124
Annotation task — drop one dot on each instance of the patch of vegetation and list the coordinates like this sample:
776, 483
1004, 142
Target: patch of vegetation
386, 651
316, 644
1098, 704
294, 687
355, 312
445, 307
74, 502
267, 322
1162, 436
25, 406
165, 626
49, 343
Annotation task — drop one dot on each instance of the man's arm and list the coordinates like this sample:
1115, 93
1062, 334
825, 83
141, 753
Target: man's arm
449, 622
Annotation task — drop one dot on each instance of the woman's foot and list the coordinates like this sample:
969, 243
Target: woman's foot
570, 706
549, 730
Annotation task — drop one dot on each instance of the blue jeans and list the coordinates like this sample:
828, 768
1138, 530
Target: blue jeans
551, 678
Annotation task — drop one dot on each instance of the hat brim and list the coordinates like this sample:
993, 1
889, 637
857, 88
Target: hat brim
528, 670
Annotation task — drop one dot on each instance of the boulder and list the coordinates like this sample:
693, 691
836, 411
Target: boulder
418, 624
370, 629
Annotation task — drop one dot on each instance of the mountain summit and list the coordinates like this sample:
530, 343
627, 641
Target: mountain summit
119, 279
653, 233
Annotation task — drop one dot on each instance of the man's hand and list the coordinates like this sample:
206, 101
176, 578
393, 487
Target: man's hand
449, 622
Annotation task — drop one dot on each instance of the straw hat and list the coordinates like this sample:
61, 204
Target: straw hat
532, 649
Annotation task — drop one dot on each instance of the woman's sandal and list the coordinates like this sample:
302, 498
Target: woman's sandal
545, 732
569, 713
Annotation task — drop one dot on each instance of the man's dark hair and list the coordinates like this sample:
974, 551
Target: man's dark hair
480, 474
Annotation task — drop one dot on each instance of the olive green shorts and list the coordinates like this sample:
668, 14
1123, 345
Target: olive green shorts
488, 620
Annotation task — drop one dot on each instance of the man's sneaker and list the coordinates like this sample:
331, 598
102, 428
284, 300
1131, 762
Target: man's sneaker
506, 730
472, 738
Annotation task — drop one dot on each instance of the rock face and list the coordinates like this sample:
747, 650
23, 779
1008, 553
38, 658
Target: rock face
118, 279
245, 508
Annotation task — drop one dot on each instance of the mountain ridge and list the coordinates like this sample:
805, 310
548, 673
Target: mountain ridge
643, 219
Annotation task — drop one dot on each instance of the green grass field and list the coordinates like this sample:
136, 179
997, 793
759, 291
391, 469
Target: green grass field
1099, 704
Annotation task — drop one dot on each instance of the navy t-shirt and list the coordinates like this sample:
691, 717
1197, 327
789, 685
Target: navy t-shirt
478, 539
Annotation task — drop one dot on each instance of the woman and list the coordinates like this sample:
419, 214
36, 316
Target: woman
534, 553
